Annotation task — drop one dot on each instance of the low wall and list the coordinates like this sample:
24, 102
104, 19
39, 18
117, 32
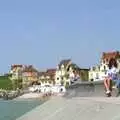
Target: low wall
87, 89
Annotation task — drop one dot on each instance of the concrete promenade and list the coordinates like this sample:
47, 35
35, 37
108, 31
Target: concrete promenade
79, 108
81, 102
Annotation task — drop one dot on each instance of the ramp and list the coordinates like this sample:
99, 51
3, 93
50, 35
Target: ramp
87, 102
89, 108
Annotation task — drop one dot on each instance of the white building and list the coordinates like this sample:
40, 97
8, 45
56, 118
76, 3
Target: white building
61, 76
47, 78
65, 72
98, 72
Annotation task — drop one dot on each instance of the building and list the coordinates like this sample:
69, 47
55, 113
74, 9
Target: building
67, 72
16, 72
30, 75
16, 76
83, 73
106, 58
98, 72
47, 77
77, 73
62, 75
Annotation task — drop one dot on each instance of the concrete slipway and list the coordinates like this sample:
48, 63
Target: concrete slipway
81, 102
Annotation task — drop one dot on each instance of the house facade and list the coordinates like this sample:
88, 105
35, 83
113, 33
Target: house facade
30, 75
16, 72
98, 72
62, 72
68, 72
47, 77
16, 76
84, 74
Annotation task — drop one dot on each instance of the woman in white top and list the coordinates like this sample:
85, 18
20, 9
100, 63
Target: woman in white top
112, 74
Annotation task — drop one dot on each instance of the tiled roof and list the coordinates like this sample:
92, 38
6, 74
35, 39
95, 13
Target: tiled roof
110, 55
74, 66
48, 72
42, 73
29, 68
16, 65
64, 62
51, 71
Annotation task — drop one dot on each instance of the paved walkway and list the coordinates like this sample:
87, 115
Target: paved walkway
85, 108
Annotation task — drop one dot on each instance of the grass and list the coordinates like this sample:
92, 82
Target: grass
5, 83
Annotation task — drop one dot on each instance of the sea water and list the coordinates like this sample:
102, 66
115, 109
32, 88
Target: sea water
11, 110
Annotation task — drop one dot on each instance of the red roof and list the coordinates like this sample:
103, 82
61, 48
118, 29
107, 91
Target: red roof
42, 73
16, 65
29, 68
110, 55
48, 72
51, 70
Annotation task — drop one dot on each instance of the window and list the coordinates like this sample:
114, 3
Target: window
98, 67
93, 68
104, 61
91, 75
92, 80
68, 69
62, 82
97, 76
104, 67
57, 78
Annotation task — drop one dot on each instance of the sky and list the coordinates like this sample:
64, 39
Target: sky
43, 32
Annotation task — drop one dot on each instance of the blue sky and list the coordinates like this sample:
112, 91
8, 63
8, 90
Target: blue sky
42, 32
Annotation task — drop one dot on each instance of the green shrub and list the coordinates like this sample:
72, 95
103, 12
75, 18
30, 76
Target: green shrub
5, 83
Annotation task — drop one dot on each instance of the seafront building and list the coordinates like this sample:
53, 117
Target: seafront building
23, 74
29, 75
47, 78
65, 73
16, 71
98, 72
68, 72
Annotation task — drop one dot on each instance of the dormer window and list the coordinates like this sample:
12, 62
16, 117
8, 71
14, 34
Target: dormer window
62, 66
57, 68
93, 68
